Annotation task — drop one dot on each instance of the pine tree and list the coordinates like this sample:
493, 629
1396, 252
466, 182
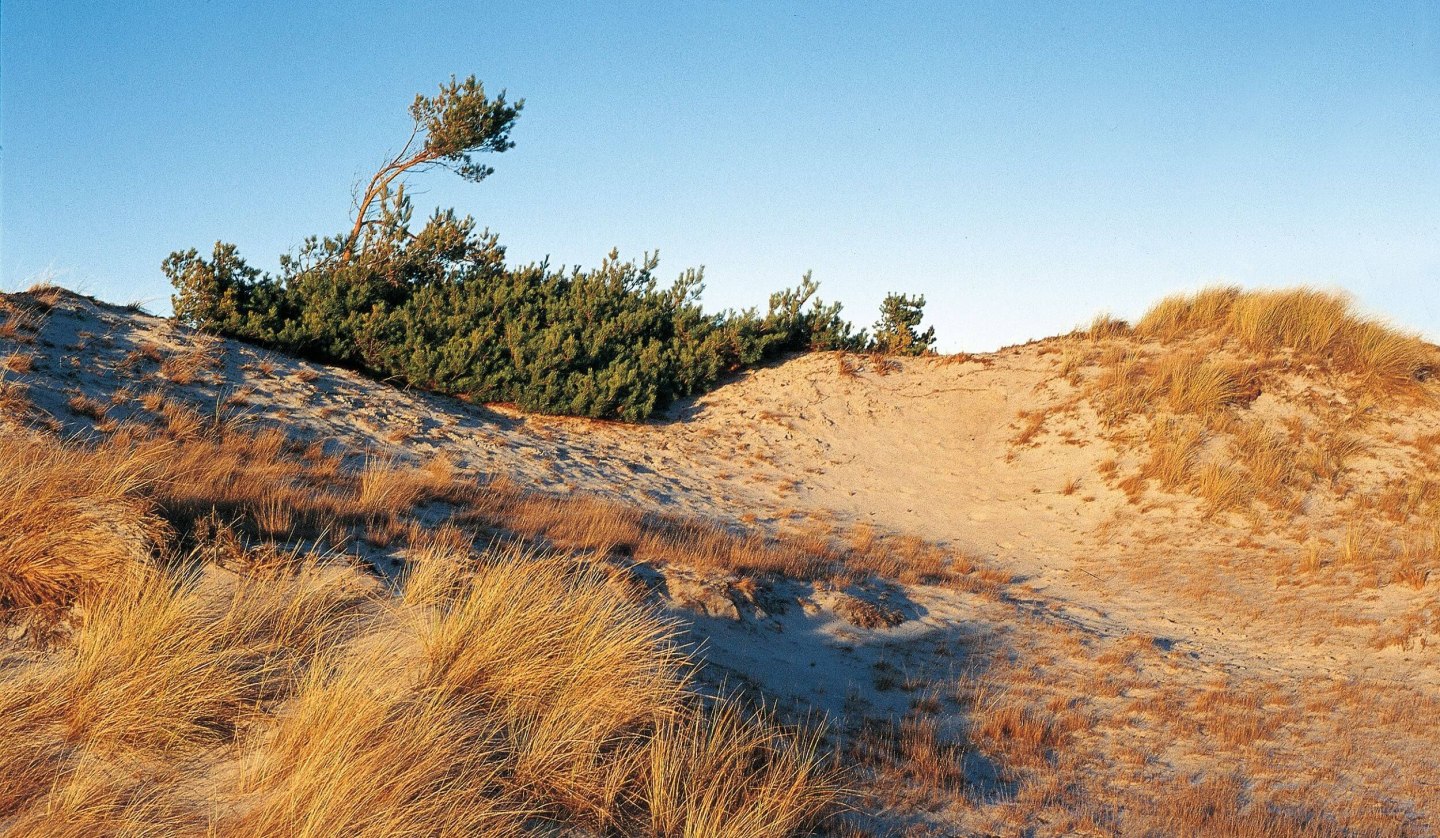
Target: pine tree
896, 330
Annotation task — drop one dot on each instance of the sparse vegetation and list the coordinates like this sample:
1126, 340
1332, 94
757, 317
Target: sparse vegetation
1258, 655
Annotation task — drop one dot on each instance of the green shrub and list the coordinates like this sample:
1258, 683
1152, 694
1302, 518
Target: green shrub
897, 331
439, 309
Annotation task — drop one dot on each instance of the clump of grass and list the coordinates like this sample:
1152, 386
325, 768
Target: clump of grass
14, 397
146, 351
1204, 311
352, 757
82, 405
74, 522
18, 362
1319, 326
1105, 327
566, 667
162, 664
1419, 556
1123, 388
764, 781
1223, 488
1267, 456
1175, 445
1193, 384
386, 486
187, 366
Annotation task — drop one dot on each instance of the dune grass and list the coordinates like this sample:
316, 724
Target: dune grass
74, 521
498, 693
1219, 350
1317, 326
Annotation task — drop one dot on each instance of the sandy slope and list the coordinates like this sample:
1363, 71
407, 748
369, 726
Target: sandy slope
926, 448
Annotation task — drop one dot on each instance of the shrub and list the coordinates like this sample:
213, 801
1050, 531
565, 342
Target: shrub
897, 330
439, 309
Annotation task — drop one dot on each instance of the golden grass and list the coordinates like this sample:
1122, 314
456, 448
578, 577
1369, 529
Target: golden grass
503, 693
74, 521
14, 397
1218, 806
1267, 456
1174, 451
1204, 311
763, 780
1194, 384
355, 758
1184, 383
82, 405
1319, 326
566, 668
1223, 489
18, 362
1221, 348
1105, 327
188, 366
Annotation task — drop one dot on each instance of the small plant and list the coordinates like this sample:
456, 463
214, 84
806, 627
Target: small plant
83, 405
18, 362
186, 367
14, 397
897, 330
1105, 327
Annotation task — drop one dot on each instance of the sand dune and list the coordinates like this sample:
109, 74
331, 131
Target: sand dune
1144, 636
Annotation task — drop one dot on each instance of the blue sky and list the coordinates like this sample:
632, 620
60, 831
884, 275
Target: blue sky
1024, 166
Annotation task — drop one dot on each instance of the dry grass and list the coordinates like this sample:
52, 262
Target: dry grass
607, 528
1220, 350
14, 397
762, 780
18, 362
75, 522
1184, 383
355, 758
21, 316
82, 405
1195, 384
1207, 310
1318, 326
1105, 327
1224, 489
186, 367
146, 351
1174, 451
165, 664
1220, 806
502, 692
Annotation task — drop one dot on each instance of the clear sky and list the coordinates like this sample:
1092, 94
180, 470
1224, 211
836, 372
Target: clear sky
1022, 165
